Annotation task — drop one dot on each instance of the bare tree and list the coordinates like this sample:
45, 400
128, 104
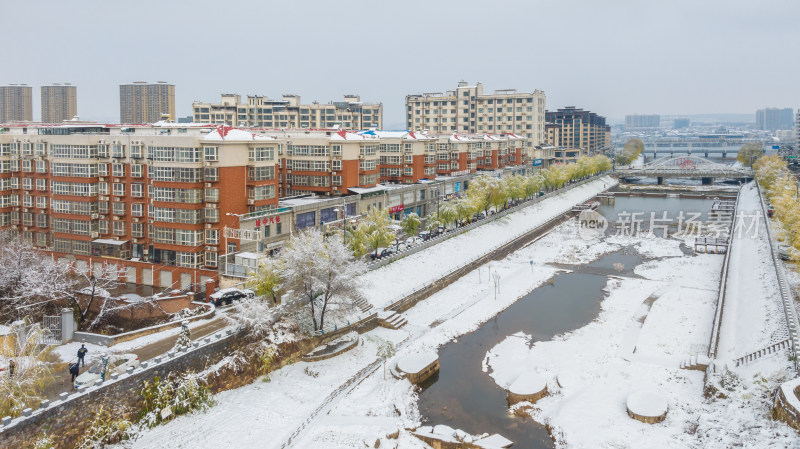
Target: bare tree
323, 273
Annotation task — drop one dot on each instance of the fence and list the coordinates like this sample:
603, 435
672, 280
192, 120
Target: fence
723, 282
787, 298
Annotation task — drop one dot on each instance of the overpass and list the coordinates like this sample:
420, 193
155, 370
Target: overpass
691, 167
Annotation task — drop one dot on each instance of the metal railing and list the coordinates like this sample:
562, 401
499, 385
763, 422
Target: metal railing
787, 298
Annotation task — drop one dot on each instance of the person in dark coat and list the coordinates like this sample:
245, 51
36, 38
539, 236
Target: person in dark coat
12, 365
74, 369
81, 354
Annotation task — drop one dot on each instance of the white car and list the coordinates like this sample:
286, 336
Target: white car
118, 363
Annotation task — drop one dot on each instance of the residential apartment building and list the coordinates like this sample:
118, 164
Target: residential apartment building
59, 103
155, 200
468, 110
642, 122
579, 129
16, 103
161, 200
772, 119
142, 102
289, 112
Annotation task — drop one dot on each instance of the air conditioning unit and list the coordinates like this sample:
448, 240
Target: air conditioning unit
95, 235
103, 198
115, 218
145, 252
95, 216
251, 201
136, 220
102, 178
208, 225
136, 142
210, 248
208, 185
117, 199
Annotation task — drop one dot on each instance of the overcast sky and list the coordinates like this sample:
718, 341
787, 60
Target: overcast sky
613, 57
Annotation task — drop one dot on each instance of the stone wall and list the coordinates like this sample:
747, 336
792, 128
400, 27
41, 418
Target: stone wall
69, 417
784, 408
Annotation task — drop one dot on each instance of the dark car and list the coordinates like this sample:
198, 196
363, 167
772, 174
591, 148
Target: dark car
228, 295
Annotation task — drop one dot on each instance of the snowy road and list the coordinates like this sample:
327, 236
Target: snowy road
395, 280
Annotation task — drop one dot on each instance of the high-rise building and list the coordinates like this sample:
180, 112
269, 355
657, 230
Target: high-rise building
59, 102
468, 110
16, 103
289, 112
580, 129
771, 119
642, 121
142, 102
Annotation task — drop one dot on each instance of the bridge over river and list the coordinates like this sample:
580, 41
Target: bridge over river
691, 167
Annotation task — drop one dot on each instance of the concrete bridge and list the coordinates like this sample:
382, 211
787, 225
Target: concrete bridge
692, 167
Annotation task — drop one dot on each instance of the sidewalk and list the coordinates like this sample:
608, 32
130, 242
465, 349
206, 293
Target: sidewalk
145, 352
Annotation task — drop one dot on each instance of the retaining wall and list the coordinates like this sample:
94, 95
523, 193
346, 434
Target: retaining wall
69, 417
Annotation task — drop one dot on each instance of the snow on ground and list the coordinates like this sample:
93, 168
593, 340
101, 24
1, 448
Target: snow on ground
753, 316
375, 407
69, 351
646, 328
412, 271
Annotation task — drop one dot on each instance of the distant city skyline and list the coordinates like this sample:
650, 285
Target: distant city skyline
698, 57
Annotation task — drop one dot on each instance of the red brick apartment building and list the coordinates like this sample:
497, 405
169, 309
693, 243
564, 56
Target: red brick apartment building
156, 199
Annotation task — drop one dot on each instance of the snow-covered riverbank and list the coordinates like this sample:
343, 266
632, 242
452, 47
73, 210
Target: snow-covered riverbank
646, 328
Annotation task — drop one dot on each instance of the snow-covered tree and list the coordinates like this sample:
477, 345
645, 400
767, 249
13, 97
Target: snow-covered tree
385, 352
373, 230
749, 152
323, 273
88, 287
447, 213
410, 224
464, 210
30, 281
184, 337
32, 370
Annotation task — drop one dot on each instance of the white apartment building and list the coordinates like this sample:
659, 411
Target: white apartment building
469, 110
289, 112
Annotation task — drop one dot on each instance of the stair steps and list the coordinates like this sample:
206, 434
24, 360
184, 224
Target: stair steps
391, 320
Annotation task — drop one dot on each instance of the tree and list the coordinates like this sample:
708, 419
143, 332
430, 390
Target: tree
479, 192
749, 153
464, 210
95, 286
432, 222
265, 280
410, 224
323, 274
30, 281
447, 213
385, 351
32, 371
630, 151
374, 230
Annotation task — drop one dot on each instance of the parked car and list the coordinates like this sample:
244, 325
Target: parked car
228, 295
117, 363
411, 241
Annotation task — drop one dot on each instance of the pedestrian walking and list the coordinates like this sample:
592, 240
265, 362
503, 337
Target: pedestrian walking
81, 355
74, 369
12, 365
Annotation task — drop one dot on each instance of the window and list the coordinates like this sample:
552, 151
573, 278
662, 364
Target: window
212, 195
211, 258
137, 190
211, 174
119, 228
118, 208
305, 220
137, 209
210, 154
119, 189
212, 236
136, 171
137, 230
118, 170
261, 154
